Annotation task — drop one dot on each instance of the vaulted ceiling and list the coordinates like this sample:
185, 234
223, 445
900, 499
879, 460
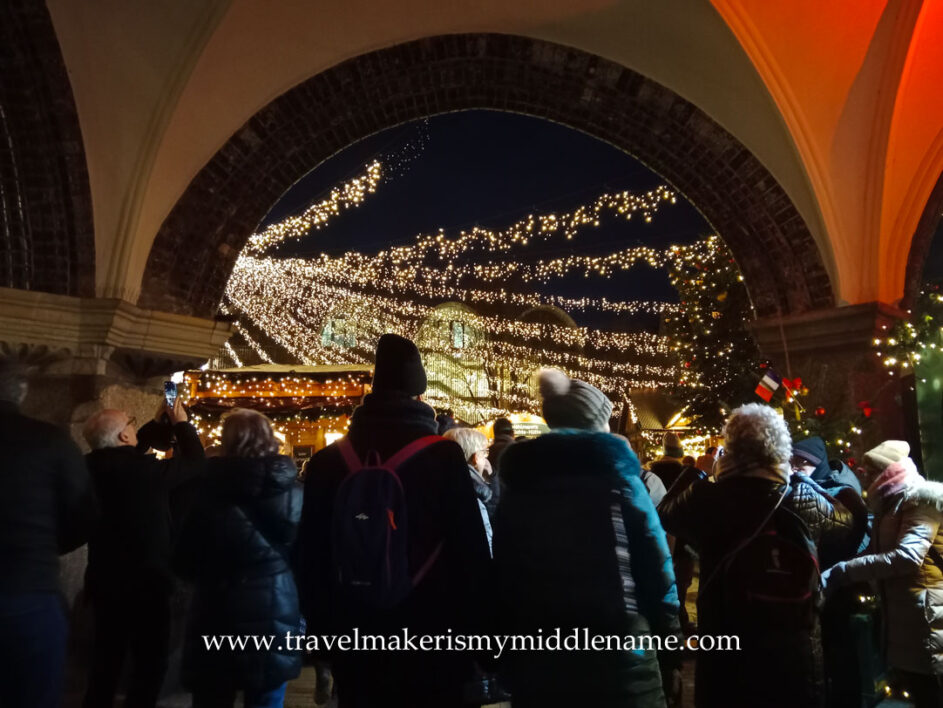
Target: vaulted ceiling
839, 101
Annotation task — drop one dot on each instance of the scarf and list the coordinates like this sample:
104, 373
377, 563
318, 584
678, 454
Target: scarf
896, 477
729, 465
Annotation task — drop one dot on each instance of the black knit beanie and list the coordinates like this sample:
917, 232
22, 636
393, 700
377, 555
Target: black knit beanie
398, 367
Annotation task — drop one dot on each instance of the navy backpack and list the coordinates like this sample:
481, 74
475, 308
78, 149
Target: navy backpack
370, 530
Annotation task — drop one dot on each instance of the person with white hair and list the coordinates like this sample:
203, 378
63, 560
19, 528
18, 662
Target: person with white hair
475, 449
756, 531
47, 508
129, 580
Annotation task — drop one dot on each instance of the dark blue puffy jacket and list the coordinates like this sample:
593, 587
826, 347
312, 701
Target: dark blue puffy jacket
234, 547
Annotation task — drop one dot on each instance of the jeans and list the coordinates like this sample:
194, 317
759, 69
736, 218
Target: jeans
225, 698
33, 632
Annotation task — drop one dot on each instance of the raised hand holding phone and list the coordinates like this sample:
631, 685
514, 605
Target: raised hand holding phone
170, 392
177, 413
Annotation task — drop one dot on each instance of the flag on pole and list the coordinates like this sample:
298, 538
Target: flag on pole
768, 385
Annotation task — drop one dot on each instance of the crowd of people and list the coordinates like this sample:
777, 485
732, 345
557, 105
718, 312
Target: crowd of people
411, 521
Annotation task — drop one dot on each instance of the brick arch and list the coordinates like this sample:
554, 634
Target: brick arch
931, 222
198, 243
47, 241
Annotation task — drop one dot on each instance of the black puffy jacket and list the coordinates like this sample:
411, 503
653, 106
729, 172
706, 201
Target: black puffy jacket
775, 667
235, 547
835, 530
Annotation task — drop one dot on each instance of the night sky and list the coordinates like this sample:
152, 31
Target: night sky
491, 169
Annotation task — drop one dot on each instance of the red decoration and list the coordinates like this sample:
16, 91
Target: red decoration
866, 408
792, 384
820, 412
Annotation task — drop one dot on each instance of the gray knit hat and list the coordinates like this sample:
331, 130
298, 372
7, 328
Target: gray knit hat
568, 403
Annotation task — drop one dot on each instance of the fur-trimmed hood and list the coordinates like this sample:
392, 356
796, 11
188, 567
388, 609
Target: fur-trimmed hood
568, 452
921, 493
924, 493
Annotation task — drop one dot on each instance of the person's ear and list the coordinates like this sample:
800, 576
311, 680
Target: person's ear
124, 437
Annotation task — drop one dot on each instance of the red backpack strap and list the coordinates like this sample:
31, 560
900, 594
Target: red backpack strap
415, 446
430, 561
349, 454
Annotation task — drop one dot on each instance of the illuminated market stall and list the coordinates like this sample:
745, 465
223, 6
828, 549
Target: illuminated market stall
310, 406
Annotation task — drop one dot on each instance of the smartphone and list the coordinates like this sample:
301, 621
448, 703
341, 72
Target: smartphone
170, 392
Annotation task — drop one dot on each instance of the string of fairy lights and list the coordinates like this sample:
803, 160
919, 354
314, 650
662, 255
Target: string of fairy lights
332, 309
347, 195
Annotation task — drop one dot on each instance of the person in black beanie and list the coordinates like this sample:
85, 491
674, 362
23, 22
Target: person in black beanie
442, 512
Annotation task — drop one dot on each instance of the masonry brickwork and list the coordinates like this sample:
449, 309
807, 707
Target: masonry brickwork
47, 242
198, 244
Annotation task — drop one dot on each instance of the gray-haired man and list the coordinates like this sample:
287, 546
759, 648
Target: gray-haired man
129, 580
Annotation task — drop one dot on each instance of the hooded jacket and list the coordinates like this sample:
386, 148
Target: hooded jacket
577, 543
906, 560
831, 475
234, 547
835, 479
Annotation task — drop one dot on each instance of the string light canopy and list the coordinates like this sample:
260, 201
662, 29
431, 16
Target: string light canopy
332, 309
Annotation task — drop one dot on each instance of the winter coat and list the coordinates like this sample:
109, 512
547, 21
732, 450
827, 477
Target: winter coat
132, 542
441, 509
484, 494
781, 669
47, 506
498, 446
831, 475
906, 560
578, 544
235, 547
656, 488
836, 479
668, 469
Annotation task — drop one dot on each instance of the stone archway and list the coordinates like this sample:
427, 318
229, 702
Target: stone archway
47, 242
927, 227
197, 245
